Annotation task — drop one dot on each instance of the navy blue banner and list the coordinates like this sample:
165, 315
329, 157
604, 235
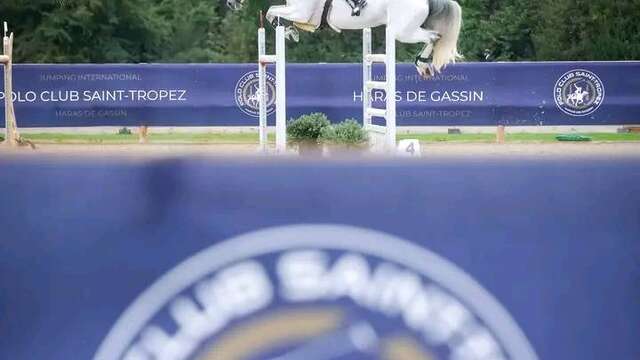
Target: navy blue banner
222, 260
592, 93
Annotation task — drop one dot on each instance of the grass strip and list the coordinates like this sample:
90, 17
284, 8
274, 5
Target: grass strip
252, 138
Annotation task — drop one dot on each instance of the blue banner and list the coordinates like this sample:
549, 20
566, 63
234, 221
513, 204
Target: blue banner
223, 260
591, 93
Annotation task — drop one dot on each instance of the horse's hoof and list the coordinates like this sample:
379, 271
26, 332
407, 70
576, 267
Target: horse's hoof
431, 71
423, 73
292, 34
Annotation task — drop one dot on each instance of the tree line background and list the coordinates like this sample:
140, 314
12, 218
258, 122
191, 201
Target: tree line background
183, 31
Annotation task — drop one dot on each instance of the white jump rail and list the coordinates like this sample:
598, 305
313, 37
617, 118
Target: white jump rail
381, 137
11, 128
279, 59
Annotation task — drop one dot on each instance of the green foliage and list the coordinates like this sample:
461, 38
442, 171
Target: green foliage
135, 31
307, 128
113, 31
348, 132
498, 30
588, 30
545, 30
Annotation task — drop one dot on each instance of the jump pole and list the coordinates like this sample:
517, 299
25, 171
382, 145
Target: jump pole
279, 59
387, 132
11, 128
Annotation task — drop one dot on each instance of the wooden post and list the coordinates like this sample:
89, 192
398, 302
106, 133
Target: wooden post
631, 129
11, 126
500, 135
143, 132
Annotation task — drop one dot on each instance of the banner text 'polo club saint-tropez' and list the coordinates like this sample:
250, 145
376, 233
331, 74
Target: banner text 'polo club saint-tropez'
591, 93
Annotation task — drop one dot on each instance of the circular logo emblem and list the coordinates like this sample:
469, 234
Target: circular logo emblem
579, 93
316, 292
247, 94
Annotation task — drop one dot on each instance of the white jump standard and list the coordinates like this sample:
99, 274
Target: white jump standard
279, 59
380, 137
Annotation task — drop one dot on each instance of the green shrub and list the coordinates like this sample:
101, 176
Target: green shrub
307, 128
348, 132
124, 131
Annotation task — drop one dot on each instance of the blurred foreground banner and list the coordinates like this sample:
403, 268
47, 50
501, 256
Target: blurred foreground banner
223, 260
587, 93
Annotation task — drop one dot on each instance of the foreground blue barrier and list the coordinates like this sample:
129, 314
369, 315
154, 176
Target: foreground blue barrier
591, 93
530, 260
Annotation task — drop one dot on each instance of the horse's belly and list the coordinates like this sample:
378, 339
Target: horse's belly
373, 15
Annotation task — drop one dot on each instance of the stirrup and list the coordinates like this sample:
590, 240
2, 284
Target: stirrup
355, 11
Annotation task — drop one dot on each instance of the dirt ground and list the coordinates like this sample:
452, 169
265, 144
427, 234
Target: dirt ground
429, 150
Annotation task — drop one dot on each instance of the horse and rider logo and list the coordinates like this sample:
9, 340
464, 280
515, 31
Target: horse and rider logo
247, 94
316, 292
579, 93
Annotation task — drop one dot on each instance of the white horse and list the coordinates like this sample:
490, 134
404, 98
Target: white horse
436, 23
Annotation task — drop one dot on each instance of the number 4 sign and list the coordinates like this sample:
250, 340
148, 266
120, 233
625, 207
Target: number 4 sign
409, 148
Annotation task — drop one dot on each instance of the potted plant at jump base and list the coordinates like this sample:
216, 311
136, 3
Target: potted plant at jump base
305, 131
346, 138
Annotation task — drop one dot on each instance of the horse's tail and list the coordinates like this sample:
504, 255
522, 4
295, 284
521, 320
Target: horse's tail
448, 26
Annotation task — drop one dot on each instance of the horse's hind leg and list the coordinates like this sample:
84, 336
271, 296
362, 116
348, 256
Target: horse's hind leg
407, 17
422, 62
429, 39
